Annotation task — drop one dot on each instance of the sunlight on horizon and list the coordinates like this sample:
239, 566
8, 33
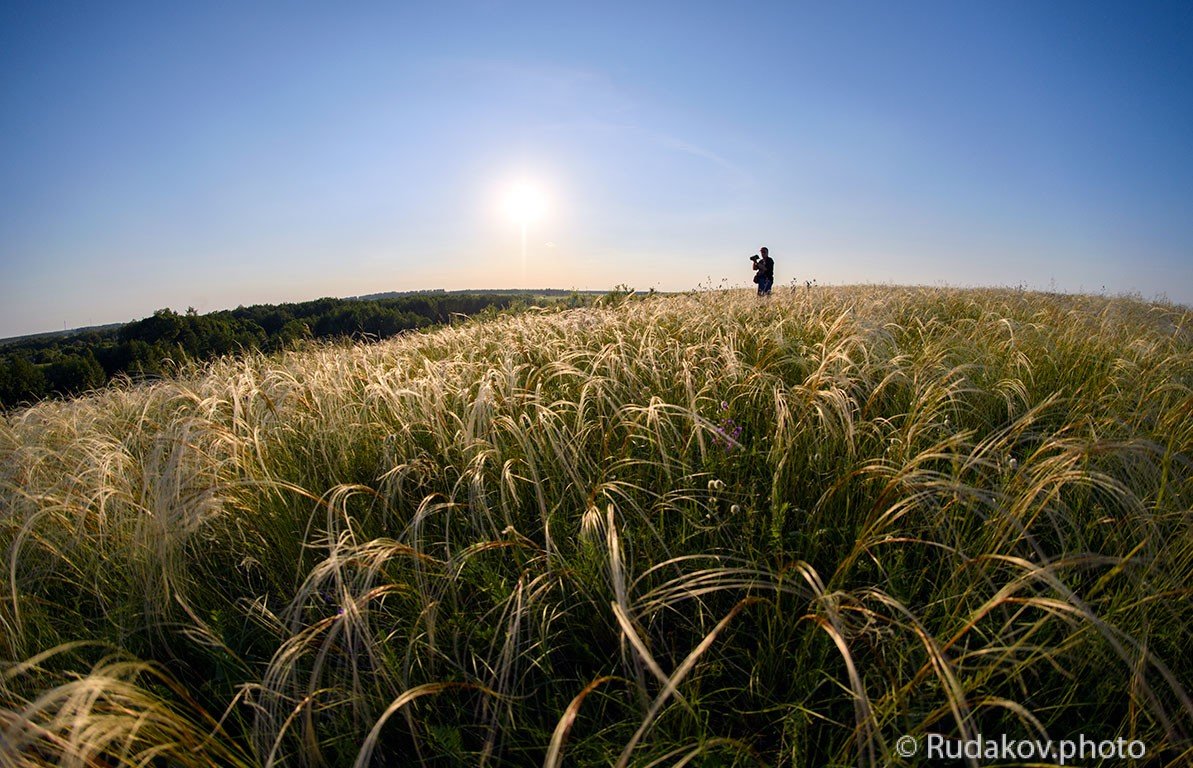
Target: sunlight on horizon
525, 202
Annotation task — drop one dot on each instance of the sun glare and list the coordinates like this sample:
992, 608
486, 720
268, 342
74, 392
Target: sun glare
525, 203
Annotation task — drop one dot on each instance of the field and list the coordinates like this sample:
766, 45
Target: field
690, 530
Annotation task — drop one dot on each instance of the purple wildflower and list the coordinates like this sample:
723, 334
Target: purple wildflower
728, 431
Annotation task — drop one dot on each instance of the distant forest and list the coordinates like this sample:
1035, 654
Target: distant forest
33, 368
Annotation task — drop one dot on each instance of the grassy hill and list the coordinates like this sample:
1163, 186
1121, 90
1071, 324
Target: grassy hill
700, 528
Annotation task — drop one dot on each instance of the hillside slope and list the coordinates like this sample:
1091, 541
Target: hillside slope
780, 532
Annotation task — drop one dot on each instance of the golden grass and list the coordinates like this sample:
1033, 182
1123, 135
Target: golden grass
701, 527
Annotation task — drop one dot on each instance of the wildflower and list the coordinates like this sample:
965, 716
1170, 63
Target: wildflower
728, 432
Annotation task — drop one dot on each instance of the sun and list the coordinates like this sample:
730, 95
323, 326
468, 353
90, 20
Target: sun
525, 202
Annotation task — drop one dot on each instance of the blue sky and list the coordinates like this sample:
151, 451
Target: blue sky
221, 153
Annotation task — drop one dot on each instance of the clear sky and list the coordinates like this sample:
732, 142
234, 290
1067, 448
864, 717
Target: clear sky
211, 154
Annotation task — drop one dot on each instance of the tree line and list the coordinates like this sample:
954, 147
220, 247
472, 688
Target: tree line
64, 365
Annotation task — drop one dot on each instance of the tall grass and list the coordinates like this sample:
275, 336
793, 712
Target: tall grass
702, 529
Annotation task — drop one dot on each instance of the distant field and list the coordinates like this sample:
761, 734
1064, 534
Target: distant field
701, 529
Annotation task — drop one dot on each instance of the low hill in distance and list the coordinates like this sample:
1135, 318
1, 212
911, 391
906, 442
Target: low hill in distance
705, 528
64, 333
70, 362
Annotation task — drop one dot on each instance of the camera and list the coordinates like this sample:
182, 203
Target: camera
755, 257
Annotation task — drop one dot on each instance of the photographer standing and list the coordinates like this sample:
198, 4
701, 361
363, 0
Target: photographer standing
764, 271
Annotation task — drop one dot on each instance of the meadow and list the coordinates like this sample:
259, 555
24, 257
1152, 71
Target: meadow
703, 529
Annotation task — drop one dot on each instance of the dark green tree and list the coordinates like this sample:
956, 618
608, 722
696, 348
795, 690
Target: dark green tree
73, 374
20, 381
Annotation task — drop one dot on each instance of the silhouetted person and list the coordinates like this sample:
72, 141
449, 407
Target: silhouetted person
764, 272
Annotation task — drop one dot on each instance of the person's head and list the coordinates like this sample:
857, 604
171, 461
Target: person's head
764, 250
